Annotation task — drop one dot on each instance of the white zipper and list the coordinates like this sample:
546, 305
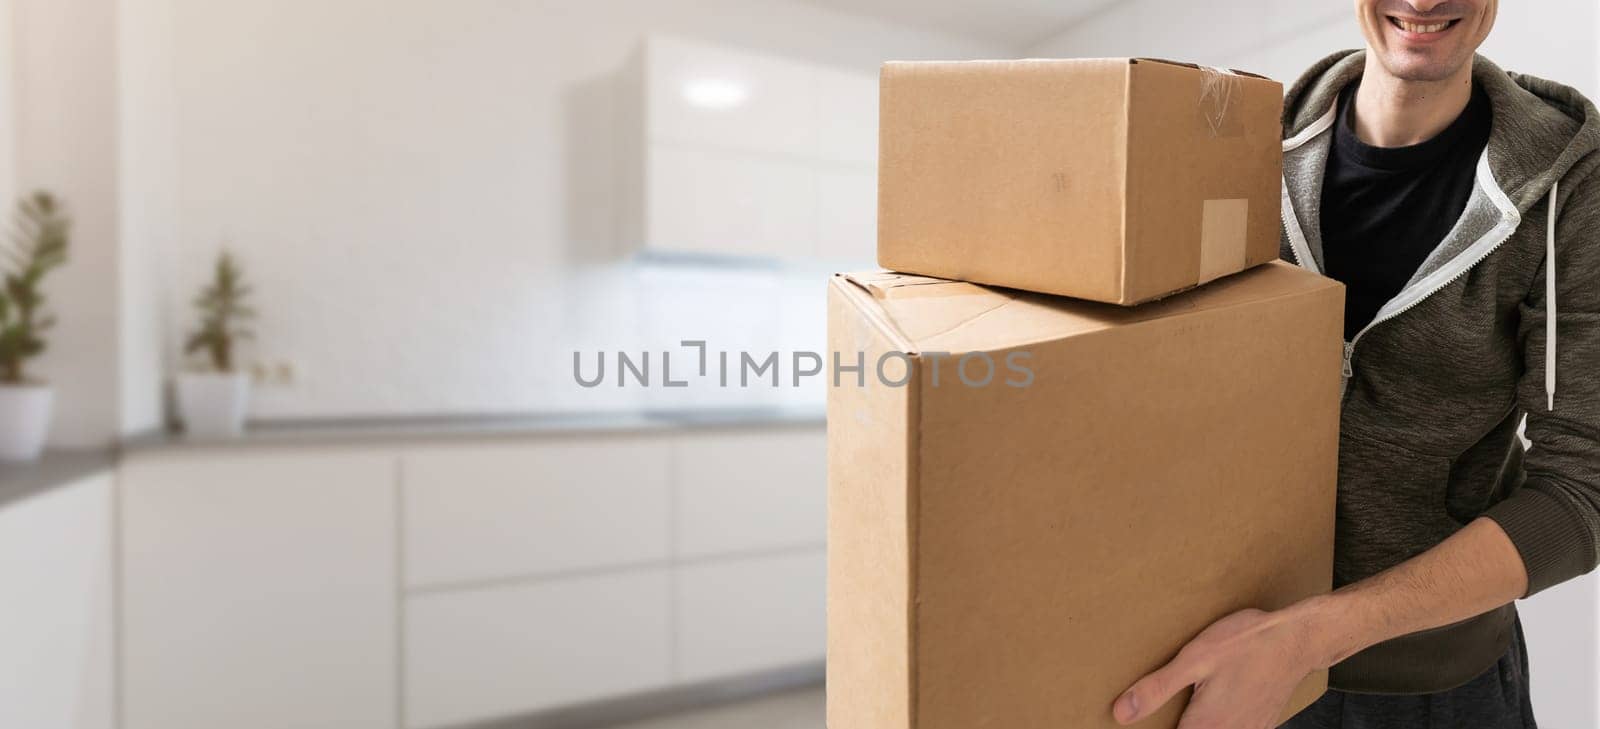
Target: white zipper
1448, 274
1451, 272
1298, 247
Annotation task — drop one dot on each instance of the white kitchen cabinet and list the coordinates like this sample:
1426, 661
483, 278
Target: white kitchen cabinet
431, 585
710, 201
520, 510
725, 151
55, 599
741, 616
729, 98
750, 492
481, 654
260, 590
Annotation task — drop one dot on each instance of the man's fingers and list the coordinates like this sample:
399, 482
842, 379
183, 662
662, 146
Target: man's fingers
1213, 709
1153, 691
1205, 711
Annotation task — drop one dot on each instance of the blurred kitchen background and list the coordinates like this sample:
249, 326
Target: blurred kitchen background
429, 523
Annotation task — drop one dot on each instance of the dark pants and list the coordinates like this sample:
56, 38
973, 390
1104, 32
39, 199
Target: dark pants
1498, 699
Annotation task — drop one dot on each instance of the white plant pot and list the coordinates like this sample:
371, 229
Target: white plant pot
213, 404
24, 420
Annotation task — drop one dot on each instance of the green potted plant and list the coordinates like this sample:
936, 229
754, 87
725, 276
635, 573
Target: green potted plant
213, 401
38, 245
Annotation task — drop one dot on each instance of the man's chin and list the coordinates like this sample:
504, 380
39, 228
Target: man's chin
1409, 67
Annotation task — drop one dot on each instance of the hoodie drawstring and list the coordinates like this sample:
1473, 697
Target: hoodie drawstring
1550, 301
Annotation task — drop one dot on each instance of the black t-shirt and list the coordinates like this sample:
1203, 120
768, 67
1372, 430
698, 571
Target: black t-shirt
1384, 209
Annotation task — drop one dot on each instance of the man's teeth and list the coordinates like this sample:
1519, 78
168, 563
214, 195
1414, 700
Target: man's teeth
1411, 27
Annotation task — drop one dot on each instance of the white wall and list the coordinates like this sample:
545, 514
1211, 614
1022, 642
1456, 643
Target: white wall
411, 182
1525, 40
1563, 634
1281, 39
147, 222
8, 105
1273, 38
65, 126
86, 112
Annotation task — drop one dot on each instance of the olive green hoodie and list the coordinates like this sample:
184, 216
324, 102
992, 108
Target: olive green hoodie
1500, 324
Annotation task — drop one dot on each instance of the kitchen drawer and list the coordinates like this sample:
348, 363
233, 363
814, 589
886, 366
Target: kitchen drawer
56, 644
503, 651
501, 511
741, 616
751, 491
258, 591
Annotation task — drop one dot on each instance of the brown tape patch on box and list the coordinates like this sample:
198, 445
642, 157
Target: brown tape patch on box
1223, 224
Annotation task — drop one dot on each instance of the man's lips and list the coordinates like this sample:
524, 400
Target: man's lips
1422, 30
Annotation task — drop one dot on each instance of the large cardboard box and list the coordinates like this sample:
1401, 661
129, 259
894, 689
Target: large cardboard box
1118, 180
1016, 552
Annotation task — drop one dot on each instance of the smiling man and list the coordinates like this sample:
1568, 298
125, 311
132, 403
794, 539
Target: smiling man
1460, 205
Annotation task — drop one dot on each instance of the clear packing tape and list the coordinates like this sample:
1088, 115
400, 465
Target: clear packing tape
1218, 89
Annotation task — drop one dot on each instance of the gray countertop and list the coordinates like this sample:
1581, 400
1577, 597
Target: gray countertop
378, 430
21, 480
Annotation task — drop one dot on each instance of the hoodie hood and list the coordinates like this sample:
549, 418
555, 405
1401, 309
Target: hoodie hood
1541, 128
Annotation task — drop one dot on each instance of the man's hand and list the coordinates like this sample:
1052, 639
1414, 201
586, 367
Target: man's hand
1245, 666
1244, 669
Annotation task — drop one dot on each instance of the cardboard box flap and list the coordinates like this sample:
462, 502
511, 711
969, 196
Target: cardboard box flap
924, 314
932, 66
980, 65
886, 284
1169, 62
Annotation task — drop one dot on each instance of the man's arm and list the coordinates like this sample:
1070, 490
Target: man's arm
1245, 666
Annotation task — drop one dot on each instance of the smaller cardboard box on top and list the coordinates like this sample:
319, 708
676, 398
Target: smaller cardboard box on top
1117, 180
1035, 500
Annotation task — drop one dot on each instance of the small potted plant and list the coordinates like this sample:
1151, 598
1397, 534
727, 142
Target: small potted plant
212, 402
38, 245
